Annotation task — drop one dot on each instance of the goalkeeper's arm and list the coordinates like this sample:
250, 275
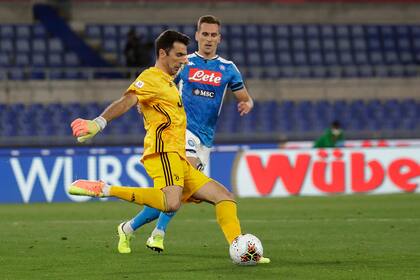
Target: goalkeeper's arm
86, 129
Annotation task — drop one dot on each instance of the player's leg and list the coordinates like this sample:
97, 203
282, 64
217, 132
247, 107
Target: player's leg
225, 205
126, 229
164, 196
197, 155
155, 241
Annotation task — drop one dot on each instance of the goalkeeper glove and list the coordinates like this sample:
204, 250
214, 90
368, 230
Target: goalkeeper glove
86, 129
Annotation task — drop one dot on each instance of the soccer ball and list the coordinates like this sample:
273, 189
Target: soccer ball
246, 249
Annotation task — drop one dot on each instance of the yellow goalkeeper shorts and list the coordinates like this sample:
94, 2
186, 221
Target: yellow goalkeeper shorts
169, 169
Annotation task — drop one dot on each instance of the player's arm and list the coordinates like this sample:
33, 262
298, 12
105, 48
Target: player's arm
245, 102
119, 107
86, 129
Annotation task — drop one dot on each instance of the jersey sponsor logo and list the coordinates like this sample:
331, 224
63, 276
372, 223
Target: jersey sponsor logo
139, 84
203, 93
205, 76
191, 142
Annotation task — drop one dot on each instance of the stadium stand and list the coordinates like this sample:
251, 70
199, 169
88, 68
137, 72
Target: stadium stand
265, 51
288, 118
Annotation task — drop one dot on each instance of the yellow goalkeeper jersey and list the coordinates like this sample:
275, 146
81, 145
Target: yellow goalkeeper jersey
163, 112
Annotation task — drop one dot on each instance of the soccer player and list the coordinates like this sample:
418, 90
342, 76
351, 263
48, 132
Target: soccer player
175, 179
203, 83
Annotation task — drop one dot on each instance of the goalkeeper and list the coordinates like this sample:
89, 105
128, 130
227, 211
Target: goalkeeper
203, 100
164, 158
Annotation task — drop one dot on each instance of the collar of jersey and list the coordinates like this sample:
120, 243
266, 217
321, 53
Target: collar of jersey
213, 58
164, 74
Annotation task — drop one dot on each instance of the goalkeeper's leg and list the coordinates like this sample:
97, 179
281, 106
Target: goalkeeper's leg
155, 241
126, 229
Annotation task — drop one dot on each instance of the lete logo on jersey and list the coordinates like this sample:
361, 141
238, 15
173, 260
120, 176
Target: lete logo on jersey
205, 76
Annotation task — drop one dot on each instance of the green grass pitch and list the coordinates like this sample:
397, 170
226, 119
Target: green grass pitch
342, 237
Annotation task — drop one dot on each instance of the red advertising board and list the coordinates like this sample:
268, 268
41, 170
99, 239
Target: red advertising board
326, 171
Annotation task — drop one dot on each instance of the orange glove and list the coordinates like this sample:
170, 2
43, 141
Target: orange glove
86, 129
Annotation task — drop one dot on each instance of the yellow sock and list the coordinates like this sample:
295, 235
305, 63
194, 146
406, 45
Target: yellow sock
144, 196
228, 219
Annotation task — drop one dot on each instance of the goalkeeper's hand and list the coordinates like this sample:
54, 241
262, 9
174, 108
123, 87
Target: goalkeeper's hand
86, 129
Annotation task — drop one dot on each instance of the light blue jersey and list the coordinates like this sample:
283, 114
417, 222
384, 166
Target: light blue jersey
203, 84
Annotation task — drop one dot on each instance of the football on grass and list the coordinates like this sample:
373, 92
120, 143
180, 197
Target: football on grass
246, 249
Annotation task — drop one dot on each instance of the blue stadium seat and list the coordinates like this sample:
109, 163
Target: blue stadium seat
145, 31
284, 58
251, 31
404, 44
236, 43
329, 44
387, 31
39, 45
343, 44
23, 31
267, 44
94, 31
254, 59
252, 44
282, 31
55, 45
55, 60
189, 30
359, 44
376, 57
300, 58
391, 57
330, 58
267, 31
345, 58
312, 31
71, 59
282, 44
110, 45
6, 45
7, 31
402, 30
297, 31
374, 44
109, 31
357, 31
372, 31
342, 31
315, 58
269, 58
22, 59
4, 60
327, 31
360, 58
22, 45
123, 30
314, 44
236, 30
298, 44
38, 31
39, 60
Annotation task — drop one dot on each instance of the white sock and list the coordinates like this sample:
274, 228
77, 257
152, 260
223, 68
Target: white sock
158, 232
106, 189
127, 228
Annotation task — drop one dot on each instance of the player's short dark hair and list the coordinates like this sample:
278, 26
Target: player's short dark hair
336, 124
167, 39
208, 19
